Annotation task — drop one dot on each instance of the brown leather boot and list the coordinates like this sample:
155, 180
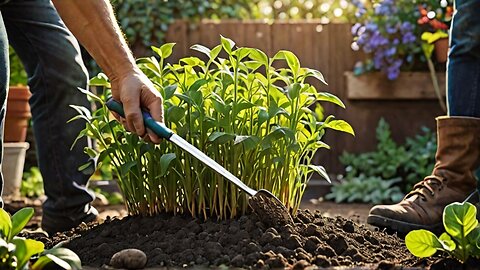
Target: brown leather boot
452, 180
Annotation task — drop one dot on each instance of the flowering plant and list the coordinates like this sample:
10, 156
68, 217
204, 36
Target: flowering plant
390, 32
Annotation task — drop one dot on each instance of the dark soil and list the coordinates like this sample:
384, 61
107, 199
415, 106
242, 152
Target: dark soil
245, 242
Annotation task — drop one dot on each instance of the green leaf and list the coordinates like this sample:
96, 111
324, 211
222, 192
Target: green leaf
125, 168
5, 224
20, 219
202, 49
174, 114
460, 219
25, 249
220, 137
447, 242
422, 243
316, 74
62, 257
167, 49
324, 96
227, 44
169, 90
294, 90
321, 171
340, 125
165, 161
197, 84
99, 80
292, 60
258, 55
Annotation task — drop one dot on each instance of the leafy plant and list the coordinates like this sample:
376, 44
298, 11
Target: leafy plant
32, 183
399, 166
461, 238
16, 252
264, 124
18, 75
366, 189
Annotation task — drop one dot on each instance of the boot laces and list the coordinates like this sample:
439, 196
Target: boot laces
429, 184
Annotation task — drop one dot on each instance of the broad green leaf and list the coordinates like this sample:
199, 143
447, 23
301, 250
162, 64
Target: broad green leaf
197, 84
169, 90
340, 125
174, 114
5, 224
215, 51
324, 96
262, 116
321, 171
292, 60
165, 161
99, 80
460, 219
422, 243
258, 55
294, 90
20, 219
167, 49
227, 44
25, 249
66, 255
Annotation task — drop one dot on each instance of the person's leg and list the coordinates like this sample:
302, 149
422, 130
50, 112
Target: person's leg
463, 68
458, 136
4, 73
51, 57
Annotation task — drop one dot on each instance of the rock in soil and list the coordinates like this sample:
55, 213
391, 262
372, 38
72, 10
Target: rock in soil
129, 259
182, 241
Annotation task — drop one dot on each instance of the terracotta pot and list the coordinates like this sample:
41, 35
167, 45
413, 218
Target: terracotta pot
441, 50
18, 114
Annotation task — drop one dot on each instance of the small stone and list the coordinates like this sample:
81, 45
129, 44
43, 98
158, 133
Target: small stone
302, 264
238, 261
129, 259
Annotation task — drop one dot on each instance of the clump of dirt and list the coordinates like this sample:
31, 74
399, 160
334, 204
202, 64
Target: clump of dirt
244, 242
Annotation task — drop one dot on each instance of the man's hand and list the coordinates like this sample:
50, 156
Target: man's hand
93, 23
135, 90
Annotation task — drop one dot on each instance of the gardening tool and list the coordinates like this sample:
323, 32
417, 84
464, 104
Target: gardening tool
268, 207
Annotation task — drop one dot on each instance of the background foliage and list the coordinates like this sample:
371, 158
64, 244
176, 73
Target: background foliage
385, 175
18, 76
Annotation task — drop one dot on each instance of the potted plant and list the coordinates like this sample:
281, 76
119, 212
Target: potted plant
16, 123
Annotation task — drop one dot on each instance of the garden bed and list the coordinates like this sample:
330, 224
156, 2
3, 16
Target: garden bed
183, 241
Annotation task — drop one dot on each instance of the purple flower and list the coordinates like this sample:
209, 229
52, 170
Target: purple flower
355, 28
391, 51
408, 37
406, 27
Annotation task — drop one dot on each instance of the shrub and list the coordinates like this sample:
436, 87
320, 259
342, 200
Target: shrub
18, 75
399, 166
263, 124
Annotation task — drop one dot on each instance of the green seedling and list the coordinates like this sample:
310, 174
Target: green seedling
262, 123
16, 252
461, 238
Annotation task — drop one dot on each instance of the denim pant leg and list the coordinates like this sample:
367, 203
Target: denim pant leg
51, 56
4, 73
463, 74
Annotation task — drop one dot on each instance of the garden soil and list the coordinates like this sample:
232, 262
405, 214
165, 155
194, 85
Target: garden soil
183, 241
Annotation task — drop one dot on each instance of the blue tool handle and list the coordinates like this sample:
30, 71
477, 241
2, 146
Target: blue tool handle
158, 128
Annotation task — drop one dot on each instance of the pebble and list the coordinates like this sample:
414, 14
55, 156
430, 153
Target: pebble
129, 259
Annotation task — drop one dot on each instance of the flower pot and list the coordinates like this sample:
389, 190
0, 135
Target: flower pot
441, 50
12, 167
18, 114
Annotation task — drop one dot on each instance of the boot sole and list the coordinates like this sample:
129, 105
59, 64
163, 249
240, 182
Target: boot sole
401, 227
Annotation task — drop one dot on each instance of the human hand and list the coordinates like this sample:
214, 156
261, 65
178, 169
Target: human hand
135, 91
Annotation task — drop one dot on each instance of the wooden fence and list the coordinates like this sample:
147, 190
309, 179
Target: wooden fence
327, 49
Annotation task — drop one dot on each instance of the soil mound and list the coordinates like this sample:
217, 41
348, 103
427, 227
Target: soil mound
246, 242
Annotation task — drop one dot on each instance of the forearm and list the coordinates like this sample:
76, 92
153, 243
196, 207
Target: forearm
94, 25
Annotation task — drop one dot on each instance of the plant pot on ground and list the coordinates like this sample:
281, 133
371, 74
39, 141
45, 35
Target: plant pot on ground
12, 167
17, 115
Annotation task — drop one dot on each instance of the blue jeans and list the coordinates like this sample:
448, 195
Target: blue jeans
51, 56
463, 68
